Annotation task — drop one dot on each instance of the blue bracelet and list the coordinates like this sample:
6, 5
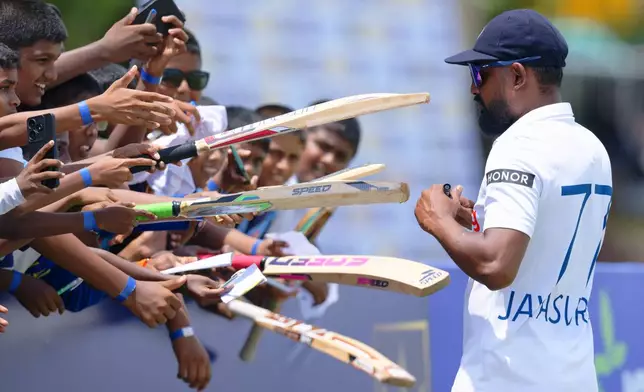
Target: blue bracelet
147, 78
212, 185
253, 250
89, 221
127, 290
86, 176
15, 281
184, 332
85, 113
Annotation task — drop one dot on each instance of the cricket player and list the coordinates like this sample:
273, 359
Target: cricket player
537, 225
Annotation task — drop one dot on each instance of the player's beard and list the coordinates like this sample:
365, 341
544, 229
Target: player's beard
494, 118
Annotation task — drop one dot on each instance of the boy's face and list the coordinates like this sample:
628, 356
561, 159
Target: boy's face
37, 70
326, 152
62, 143
282, 159
81, 140
185, 62
8, 99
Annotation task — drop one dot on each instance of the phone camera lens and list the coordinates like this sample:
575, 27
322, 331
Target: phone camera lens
31, 123
33, 135
39, 127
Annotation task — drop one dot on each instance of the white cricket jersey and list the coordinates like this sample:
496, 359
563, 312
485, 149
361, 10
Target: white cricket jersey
550, 178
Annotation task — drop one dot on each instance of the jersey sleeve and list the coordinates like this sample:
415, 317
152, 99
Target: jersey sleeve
513, 184
11, 196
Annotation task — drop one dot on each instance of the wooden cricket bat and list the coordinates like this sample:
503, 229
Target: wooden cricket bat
294, 197
345, 349
248, 350
377, 272
324, 113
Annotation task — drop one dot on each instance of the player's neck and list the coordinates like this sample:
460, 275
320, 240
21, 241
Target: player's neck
544, 99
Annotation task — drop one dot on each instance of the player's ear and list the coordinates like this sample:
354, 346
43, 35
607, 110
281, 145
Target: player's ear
519, 75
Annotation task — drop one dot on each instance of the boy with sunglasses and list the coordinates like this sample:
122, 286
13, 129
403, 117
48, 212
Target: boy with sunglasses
528, 254
183, 78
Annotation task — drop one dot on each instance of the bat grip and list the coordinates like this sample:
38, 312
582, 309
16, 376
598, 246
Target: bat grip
245, 261
170, 155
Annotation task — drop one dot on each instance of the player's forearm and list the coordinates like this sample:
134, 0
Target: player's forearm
140, 197
210, 236
181, 320
9, 246
469, 250
40, 224
132, 269
239, 241
79, 61
71, 254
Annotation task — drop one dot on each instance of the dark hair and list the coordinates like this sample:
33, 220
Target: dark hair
9, 58
280, 109
349, 130
25, 22
71, 91
238, 116
548, 77
192, 45
109, 74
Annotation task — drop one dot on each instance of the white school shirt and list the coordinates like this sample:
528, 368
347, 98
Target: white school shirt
550, 178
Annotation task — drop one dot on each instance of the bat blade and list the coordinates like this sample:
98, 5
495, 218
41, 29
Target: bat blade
376, 272
324, 113
294, 197
217, 261
343, 348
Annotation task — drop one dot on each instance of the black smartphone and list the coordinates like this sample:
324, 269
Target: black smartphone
40, 131
239, 165
163, 8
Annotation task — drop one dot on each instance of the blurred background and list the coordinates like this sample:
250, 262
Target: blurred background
298, 51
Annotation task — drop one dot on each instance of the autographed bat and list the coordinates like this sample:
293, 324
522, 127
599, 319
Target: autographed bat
247, 352
322, 194
324, 113
345, 349
378, 272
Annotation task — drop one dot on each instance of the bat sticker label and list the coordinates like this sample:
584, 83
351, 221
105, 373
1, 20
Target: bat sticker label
373, 282
311, 189
319, 261
430, 275
509, 176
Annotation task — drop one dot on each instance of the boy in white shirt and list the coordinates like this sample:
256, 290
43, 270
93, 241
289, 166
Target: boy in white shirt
537, 225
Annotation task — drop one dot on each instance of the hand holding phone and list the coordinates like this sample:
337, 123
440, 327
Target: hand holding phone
162, 8
42, 150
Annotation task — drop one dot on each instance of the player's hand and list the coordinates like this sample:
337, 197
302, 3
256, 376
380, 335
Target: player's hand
194, 363
125, 41
3, 323
434, 206
464, 214
205, 290
319, 291
164, 260
39, 298
154, 302
172, 45
120, 105
31, 177
120, 218
114, 172
271, 247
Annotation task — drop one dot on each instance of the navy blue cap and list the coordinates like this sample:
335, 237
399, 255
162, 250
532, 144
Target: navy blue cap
514, 35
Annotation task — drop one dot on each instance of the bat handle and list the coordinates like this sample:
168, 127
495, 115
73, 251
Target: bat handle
446, 189
171, 154
245, 261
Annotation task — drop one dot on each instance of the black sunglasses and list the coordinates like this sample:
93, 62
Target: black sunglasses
197, 80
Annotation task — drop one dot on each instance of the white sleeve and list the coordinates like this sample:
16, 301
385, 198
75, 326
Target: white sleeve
11, 196
513, 186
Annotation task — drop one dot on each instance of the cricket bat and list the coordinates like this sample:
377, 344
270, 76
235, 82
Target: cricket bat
324, 113
378, 272
294, 197
247, 352
343, 348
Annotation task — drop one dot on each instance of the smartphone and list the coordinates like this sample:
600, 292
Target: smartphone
163, 8
239, 165
40, 131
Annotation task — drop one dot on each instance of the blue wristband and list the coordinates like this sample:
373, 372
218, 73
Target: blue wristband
89, 221
147, 78
15, 281
212, 185
253, 250
86, 176
85, 113
184, 332
127, 290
